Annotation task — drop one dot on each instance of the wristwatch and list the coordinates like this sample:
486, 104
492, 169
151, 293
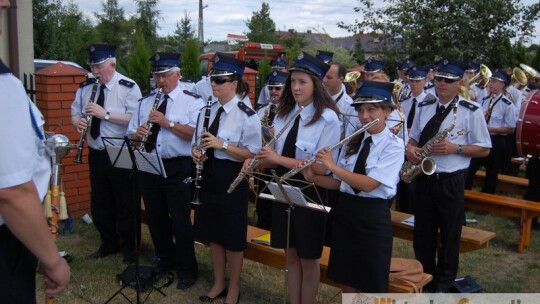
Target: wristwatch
225, 145
107, 116
459, 149
171, 124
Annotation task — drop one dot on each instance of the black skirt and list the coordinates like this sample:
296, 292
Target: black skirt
222, 217
361, 243
307, 226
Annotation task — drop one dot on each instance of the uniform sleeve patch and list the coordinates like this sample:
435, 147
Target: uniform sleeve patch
468, 105
126, 83
192, 94
88, 82
506, 101
430, 99
249, 111
144, 97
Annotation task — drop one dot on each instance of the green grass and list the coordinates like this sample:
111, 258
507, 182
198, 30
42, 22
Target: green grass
498, 268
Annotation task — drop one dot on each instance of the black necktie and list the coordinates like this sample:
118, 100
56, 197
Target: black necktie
96, 122
360, 165
433, 125
213, 129
410, 117
289, 147
152, 138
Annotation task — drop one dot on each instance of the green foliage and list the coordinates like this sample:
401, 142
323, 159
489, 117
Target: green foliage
293, 43
358, 52
190, 60
112, 27
138, 66
262, 72
341, 55
463, 29
261, 26
184, 31
147, 21
535, 62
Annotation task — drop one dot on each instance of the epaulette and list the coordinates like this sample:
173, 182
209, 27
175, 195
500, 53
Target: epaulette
192, 94
478, 85
487, 97
468, 105
429, 86
3, 68
186, 80
506, 101
126, 83
427, 101
151, 94
249, 111
88, 82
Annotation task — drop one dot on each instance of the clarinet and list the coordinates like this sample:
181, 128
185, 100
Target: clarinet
200, 165
253, 163
80, 145
310, 161
148, 123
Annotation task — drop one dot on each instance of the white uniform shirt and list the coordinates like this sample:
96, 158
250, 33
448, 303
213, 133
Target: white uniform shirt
343, 102
470, 129
181, 108
386, 155
325, 132
23, 156
264, 96
235, 127
119, 98
503, 113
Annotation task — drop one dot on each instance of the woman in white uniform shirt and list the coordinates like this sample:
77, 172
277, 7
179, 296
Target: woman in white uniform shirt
366, 174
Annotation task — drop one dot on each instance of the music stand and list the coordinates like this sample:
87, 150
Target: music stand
292, 196
125, 157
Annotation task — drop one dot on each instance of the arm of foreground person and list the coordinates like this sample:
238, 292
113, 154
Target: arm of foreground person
21, 209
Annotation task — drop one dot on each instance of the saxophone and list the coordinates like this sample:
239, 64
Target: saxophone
410, 171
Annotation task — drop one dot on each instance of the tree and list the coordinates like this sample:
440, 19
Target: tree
462, 29
293, 43
111, 25
261, 26
190, 60
535, 62
184, 31
147, 21
358, 52
138, 66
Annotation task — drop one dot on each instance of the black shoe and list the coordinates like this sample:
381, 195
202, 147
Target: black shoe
205, 298
98, 254
185, 283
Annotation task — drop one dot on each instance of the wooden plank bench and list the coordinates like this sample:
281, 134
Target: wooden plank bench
471, 238
506, 183
276, 258
524, 210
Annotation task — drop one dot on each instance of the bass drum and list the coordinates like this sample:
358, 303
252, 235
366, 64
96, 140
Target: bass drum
528, 126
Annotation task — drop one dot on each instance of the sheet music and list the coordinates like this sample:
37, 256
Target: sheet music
409, 221
119, 157
295, 195
150, 162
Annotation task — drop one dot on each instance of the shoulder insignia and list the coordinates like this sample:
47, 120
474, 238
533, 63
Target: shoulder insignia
126, 83
192, 94
506, 101
186, 80
249, 111
468, 105
487, 97
429, 99
429, 86
88, 82
151, 94
478, 85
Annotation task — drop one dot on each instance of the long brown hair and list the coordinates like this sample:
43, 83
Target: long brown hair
321, 99
242, 89
354, 144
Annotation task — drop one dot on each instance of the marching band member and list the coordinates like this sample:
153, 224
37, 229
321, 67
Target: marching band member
500, 115
333, 81
316, 127
278, 65
366, 173
440, 198
233, 136
372, 67
168, 122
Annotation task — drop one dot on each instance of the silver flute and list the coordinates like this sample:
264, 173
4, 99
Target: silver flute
148, 123
253, 163
310, 161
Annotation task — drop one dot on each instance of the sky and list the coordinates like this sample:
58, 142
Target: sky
222, 18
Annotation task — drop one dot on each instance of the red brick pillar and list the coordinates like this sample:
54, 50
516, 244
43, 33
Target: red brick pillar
55, 90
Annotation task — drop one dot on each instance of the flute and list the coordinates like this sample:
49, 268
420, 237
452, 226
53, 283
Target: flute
310, 161
253, 163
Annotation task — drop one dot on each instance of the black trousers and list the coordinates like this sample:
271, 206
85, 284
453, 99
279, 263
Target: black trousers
533, 174
17, 270
439, 209
493, 164
168, 209
115, 204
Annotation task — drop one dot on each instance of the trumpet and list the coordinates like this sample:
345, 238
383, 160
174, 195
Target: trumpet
310, 161
80, 145
253, 163
200, 166
148, 123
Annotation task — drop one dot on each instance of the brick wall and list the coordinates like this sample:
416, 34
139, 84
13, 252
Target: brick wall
55, 90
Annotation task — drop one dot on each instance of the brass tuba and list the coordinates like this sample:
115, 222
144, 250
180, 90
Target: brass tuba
397, 106
482, 77
351, 82
519, 79
529, 71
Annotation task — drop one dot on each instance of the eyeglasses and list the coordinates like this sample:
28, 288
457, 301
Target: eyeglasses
447, 80
275, 88
162, 75
221, 79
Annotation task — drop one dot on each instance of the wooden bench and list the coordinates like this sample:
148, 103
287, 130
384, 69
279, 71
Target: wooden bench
276, 258
524, 210
471, 238
506, 183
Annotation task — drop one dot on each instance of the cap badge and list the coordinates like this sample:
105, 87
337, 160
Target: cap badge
92, 49
300, 56
157, 57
